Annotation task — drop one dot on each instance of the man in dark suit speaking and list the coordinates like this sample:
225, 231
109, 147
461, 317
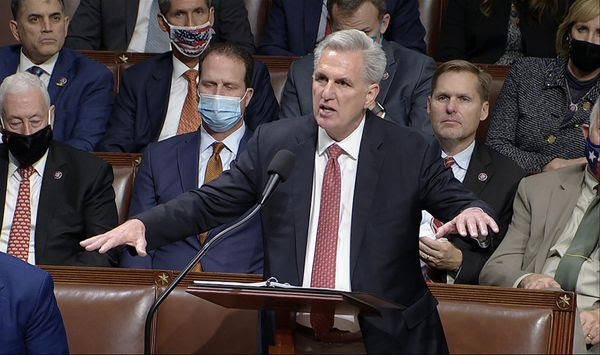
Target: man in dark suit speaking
348, 216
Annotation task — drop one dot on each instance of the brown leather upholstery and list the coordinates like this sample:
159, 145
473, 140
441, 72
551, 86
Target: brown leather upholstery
493, 320
431, 14
258, 12
104, 312
499, 73
125, 166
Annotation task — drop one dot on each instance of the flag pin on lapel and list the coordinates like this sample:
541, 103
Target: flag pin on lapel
57, 175
61, 82
482, 176
386, 75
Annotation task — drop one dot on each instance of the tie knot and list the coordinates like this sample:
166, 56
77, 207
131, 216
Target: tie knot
191, 75
217, 148
334, 151
35, 70
449, 162
26, 172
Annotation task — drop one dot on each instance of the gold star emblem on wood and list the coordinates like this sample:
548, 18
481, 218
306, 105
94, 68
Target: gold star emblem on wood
564, 301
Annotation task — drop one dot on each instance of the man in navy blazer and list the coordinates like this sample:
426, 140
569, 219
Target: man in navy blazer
395, 171
292, 27
173, 166
81, 89
404, 87
143, 105
30, 321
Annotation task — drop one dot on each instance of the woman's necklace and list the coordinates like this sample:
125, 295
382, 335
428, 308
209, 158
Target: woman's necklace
572, 106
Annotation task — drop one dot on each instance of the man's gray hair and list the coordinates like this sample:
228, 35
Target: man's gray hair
19, 83
595, 115
355, 40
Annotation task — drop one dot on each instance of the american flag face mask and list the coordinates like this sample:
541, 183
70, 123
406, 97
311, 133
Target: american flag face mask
191, 41
592, 152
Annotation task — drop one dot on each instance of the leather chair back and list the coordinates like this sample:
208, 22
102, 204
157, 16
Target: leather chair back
258, 12
125, 166
431, 14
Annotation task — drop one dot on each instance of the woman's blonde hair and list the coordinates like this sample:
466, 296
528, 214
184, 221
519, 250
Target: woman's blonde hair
580, 11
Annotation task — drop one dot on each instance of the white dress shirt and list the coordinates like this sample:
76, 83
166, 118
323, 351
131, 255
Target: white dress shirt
12, 192
140, 32
228, 154
348, 162
179, 90
459, 169
47, 66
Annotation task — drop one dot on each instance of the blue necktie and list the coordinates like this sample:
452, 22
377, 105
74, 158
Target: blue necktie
157, 40
35, 70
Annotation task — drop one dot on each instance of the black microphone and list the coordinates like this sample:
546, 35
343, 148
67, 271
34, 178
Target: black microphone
279, 170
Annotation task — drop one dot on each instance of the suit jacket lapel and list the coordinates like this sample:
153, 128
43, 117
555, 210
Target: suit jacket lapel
370, 159
479, 164
62, 75
388, 76
131, 13
302, 192
312, 17
157, 93
51, 189
188, 163
558, 214
3, 176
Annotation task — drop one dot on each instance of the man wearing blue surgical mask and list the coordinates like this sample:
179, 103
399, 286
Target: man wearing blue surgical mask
187, 161
158, 98
406, 82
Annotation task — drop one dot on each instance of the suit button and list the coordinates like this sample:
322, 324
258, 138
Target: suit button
551, 139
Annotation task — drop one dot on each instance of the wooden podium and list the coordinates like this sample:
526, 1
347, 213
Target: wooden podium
286, 302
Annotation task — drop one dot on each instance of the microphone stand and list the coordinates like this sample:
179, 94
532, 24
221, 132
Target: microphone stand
187, 270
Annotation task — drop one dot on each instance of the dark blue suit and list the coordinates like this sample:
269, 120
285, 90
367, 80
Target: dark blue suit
170, 168
82, 91
143, 100
293, 25
30, 321
399, 173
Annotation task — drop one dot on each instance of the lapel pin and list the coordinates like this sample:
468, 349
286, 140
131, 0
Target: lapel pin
57, 175
482, 176
61, 82
386, 75
587, 105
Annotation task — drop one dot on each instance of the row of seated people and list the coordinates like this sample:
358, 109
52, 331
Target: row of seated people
211, 76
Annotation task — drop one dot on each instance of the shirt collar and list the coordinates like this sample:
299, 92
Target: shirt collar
179, 68
463, 158
38, 166
47, 66
590, 180
350, 144
232, 141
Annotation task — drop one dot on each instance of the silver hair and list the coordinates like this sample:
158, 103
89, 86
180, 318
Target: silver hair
595, 115
20, 83
355, 40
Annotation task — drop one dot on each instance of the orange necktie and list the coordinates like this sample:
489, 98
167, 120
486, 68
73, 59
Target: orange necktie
190, 117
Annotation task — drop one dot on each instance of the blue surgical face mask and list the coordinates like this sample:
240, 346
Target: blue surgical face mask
378, 35
220, 113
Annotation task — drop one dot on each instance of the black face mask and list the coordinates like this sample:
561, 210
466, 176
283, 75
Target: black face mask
28, 149
585, 55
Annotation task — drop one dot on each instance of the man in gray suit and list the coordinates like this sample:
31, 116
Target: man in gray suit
406, 82
552, 241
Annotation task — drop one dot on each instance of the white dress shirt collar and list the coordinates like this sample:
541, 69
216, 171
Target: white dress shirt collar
179, 68
13, 165
47, 66
232, 142
463, 158
350, 145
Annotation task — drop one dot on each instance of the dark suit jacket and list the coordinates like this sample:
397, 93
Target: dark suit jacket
83, 103
470, 35
77, 201
497, 188
293, 25
170, 168
403, 91
30, 321
143, 100
399, 173
109, 24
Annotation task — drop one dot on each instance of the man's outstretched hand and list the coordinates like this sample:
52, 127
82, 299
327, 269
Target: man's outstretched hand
130, 233
472, 222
